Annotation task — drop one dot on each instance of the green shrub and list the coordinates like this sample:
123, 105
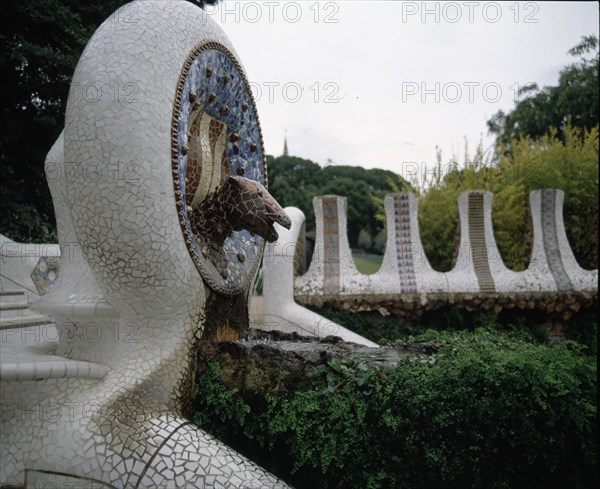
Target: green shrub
583, 328
386, 329
487, 410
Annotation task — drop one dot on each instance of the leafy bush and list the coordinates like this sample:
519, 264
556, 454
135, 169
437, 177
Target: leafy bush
487, 410
529, 324
568, 161
583, 328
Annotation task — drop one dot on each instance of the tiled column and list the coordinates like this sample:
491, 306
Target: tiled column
479, 267
405, 268
553, 266
332, 270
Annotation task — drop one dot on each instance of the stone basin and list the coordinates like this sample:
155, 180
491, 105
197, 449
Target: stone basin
278, 363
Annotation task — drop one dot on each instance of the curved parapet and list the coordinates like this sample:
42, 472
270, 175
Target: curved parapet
553, 266
332, 270
405, 268
407, 286
479, 267
281, 311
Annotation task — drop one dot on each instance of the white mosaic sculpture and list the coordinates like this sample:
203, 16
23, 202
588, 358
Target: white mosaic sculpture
332, 259
107, 403
552, 260
281, 312
479, 266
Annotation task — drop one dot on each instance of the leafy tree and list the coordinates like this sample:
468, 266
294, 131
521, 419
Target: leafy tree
295, 181
569, 163
379, 241
364, 240
575, 99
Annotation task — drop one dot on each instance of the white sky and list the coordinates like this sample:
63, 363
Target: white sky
370, 71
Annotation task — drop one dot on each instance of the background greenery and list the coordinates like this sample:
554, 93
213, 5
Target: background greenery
569, 164
296, 181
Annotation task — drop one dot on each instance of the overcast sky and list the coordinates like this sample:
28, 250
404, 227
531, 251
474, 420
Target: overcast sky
380, 83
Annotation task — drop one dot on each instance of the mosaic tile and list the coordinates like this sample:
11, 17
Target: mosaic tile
129, 297
404, 255
479, 266
331, 251
218, 136
550, 240
479, 244
45, 273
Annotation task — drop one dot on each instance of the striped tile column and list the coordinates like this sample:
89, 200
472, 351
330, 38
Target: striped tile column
479, 267
478, 243
405, 268
553, 266
332, 270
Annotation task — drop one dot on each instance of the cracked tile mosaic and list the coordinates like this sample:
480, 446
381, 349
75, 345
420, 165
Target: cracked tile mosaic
129, 302
479, 267
550, 240
478, 242
404, 245
331, 248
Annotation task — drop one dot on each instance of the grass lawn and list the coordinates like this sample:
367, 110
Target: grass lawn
365, 262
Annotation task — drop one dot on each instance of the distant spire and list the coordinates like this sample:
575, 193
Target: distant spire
285, 146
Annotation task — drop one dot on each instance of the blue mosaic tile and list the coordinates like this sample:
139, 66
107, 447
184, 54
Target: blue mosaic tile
222, 93
45, 273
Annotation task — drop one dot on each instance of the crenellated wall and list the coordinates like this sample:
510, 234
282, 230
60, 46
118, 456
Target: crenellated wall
406, 280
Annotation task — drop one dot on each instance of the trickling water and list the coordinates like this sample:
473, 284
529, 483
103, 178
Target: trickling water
385, 356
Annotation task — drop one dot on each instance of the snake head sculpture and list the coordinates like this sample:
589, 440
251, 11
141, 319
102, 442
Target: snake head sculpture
250, 206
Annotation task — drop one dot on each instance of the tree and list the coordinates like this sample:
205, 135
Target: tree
295, 181
364, 240
574, 100
569, 163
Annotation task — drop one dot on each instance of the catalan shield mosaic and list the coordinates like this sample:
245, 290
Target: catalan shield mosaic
216, 135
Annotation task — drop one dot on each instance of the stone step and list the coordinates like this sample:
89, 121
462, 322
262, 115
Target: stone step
22, 322
14, 311
8, 298
11, 306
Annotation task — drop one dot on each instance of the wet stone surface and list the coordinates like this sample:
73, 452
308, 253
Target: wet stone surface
279, 363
